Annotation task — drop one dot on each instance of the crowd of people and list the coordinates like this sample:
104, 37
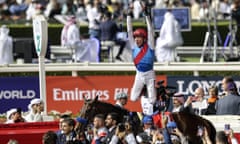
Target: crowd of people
26, 9
108, 129
102, 17
35, 113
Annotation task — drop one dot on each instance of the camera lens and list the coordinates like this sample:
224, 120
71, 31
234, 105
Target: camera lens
121, 127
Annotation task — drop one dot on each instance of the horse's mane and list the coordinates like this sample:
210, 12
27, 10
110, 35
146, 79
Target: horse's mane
100, 107
111, 106
188, 124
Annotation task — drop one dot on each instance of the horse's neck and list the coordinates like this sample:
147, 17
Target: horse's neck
107, 108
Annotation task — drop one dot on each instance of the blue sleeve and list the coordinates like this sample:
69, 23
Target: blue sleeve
97, 141
166, 136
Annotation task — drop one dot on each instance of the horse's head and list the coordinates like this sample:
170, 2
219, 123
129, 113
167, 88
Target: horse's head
88, 107
92, 107
87, 112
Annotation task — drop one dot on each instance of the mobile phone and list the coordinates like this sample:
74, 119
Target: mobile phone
171, 130
227, 128
200, 131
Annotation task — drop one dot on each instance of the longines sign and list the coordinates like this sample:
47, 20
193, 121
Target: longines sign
187, 84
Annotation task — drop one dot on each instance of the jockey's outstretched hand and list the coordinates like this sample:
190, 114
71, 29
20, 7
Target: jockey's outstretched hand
130, 9
145, 9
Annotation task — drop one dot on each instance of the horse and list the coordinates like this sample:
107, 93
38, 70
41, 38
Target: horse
188, 124
91, 107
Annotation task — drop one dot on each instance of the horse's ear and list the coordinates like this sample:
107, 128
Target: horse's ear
96, 98
85, 99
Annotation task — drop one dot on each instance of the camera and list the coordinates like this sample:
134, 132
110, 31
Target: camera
121, 127
164, 93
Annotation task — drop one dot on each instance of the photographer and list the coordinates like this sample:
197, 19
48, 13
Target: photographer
124, 134
162, 102
154, 135
163, 96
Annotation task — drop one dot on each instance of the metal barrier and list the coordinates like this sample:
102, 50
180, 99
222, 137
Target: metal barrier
162, 67
220, 120
58, 51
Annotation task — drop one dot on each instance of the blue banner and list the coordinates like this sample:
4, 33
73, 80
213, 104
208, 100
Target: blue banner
17, 92
187, 84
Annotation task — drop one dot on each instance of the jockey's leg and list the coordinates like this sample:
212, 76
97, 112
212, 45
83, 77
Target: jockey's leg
150, 82
137, 87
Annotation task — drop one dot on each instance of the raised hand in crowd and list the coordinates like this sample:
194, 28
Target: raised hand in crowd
156, 136
205, 137
120, 133
164, 121
231, 137
189, 100
178, 133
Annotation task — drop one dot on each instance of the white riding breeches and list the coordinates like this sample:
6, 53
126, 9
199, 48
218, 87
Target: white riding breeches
141, 79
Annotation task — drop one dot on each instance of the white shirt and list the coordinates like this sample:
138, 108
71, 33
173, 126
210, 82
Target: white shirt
177, 109
92, 15
170, 37
32, 11
9, 122
6, 46
70, 35
137, 9
31, 117
129, 138
200, 105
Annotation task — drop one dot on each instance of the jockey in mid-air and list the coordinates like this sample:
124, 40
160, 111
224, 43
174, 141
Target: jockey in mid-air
142, 44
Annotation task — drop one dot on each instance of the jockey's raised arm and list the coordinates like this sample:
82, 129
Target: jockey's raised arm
150, 32
130, 31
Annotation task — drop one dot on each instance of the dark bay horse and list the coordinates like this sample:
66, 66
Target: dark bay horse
93, 107
188, 124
